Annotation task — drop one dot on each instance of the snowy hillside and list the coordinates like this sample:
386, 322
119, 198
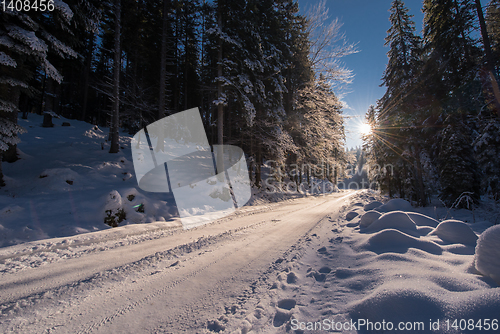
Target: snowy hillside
62, 183
65, 181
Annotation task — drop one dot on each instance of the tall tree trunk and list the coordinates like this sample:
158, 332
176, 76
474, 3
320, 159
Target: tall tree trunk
86, 81
186, 65
220, 107
115, 147
258, 171
163, 62
420, 178
489, 57
49, 94
177, 91
42, 100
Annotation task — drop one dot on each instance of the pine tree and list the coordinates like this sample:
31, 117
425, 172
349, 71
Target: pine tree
319, 132
163, 59
452, 52
403, 54
491, 62
459, 172
487, 149
398, 136
26, 40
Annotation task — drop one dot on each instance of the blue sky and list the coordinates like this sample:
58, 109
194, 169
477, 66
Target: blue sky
365, 23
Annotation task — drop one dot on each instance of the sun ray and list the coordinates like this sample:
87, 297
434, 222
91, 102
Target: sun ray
365, 129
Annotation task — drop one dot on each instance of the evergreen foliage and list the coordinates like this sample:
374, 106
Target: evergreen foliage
272, 96
433, 130
458, 168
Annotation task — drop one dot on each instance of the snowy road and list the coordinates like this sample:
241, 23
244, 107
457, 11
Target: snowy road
171, 284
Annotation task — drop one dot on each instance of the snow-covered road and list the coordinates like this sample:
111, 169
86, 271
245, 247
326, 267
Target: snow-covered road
170, 284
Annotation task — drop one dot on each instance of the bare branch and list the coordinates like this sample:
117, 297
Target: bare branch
328, 45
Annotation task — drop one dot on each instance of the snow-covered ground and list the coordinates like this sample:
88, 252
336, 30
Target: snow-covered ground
402, 272
62, 183
65, 180
352, 260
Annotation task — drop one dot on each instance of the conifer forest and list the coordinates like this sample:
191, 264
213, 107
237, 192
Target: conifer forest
264, 76
437, 128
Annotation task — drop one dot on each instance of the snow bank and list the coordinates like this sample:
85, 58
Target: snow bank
396, 204
398, 303
60, 185
372, 205
391, 240
398, 220
388, 270
455, 231
412, 302
487, 257
369, 218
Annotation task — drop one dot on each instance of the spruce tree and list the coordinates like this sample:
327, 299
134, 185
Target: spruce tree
398, 138
319, 132
459, 173
452, 53
26, 41
487, 150
403, 54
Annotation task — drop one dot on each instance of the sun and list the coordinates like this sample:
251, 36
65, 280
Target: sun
365, 129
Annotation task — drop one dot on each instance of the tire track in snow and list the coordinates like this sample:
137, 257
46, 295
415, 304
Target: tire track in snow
94, 282
149, 297
220, 284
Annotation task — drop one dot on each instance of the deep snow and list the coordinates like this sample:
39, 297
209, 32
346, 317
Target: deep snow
398, 269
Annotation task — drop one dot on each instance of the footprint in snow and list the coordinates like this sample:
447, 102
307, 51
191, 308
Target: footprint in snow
336, 240
281, 317
291, 278
322, 250
319, 277
325, 270
287, 304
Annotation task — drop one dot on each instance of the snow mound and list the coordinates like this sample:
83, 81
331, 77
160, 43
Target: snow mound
391, 240
397, 304
372, 205
11, 209
369, 218
422, 220
397, 219
114, 201
455, 231
114, 213
95, 133
59, 180
487, 257
396, 204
